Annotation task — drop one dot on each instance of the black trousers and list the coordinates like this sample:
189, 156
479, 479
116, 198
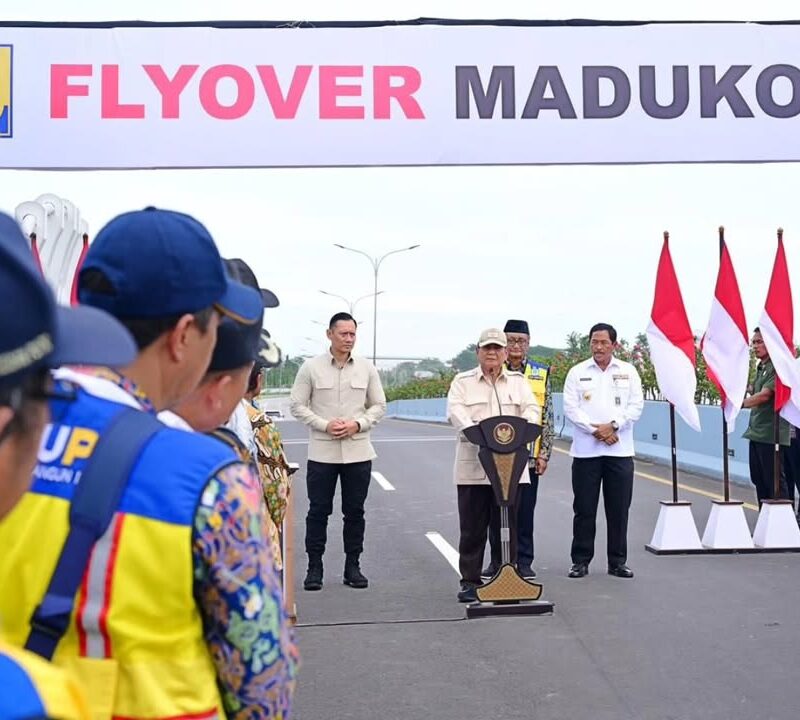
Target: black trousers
526, 505
476, 507
791, 458
615, 475
321, 485
762, 467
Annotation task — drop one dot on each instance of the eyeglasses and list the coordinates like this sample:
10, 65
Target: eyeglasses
44, 388
522, 342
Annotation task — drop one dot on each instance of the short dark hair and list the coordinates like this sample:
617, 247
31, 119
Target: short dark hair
255, 376
341, 316
757, 330
600, 327
147, 330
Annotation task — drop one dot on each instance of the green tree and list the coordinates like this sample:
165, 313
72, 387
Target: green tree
284, 374
465, 359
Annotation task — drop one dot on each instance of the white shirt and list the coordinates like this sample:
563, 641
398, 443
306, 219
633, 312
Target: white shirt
595, 396
239, 424
98, 386
175, 421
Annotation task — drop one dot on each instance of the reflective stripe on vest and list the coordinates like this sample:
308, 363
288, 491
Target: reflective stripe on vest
538, 383
91, 619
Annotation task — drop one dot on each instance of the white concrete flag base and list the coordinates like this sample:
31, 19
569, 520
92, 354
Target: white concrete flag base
675, 528
776, 526
727, 528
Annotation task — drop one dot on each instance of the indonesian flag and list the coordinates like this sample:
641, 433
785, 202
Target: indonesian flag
672, 342
725, 345
777, 330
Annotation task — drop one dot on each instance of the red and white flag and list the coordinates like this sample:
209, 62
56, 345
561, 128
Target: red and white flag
726, 345
777, 330
671, 340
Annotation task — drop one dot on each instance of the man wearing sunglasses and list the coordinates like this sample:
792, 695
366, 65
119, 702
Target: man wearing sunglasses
177, 610
36, 338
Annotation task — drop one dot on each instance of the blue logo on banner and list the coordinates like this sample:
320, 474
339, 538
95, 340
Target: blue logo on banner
5, 91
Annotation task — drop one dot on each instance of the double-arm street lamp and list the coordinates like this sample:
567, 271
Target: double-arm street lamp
376, 264
351, 304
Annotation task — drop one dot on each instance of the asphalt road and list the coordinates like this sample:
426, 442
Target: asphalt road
711, 637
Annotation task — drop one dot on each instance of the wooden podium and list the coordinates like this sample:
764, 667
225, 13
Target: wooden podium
503, 441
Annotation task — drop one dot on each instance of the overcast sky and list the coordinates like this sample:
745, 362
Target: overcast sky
562, 247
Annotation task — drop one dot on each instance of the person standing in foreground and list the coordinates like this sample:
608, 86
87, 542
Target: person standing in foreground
538, 375
41, 337
761, 431
483, 392
603, 399
340, 397
180, 613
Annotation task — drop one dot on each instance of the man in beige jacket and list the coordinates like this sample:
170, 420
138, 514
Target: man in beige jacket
487, 390
339, 396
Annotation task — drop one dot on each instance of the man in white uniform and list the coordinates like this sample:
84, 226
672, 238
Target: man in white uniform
603, 399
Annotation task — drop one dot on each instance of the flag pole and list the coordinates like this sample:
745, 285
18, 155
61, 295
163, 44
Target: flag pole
673, 445
776, 465
726, 486
674, 453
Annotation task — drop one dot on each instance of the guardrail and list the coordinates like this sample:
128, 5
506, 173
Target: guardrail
697, 452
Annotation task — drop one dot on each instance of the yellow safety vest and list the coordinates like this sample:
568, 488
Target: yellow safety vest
135, 640
32, 687
536, 374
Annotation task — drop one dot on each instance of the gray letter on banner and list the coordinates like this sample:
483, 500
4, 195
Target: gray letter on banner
711, 91
680, 92
591, 91
469, 79
764, 91
548, 75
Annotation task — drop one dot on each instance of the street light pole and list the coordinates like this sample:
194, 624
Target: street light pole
376, 264
351, 304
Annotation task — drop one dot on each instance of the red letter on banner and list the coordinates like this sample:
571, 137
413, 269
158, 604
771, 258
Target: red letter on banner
111, 108
170, 89
330, 91
61, 90
284, 108
383, 91
245, 92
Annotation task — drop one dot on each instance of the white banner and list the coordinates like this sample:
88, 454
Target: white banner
144, 97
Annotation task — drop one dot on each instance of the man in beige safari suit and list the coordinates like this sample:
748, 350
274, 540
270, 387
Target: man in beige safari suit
488, 390
339, 396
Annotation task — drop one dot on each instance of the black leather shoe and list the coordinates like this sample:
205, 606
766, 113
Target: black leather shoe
313, 579
527, 572
489, 572
353, 575
468, 593
578, 570
622, 571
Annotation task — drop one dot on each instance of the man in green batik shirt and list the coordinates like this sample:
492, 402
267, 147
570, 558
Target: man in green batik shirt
761, 432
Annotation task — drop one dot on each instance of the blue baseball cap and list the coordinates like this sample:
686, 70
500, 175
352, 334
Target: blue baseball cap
161, 263
237, 344
35, 332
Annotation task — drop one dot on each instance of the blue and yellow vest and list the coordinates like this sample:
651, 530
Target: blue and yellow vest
135, 640
34, 688
536, 373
